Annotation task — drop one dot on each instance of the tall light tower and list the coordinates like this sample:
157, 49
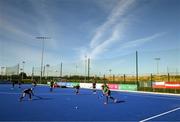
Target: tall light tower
76, 70
32, 76
23, 69
85, 68
2, 72
157, 62
43, 38
88, 61
47, 70
110, 73
61, 70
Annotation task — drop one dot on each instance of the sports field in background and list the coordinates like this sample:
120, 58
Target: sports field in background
63, 105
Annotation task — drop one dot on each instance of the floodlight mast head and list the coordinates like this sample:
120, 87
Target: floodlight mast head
42, 37
157, 58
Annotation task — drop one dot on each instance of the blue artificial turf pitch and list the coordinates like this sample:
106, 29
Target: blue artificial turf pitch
63, 105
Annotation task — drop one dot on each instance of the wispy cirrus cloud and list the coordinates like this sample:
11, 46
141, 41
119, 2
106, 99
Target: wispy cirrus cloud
111, 30
126, 47
14, 30
138, 42
116, 35
45, 24
112, 20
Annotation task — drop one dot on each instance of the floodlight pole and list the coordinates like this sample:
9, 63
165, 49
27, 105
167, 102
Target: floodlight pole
32, 77
137, 77
2, 68
88, 69
42, 55
47, 66
85, 68
42, 58
61, 70
23, 69
76, 70
157, 59
110, 73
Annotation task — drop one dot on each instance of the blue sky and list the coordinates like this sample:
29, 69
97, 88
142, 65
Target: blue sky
107, 31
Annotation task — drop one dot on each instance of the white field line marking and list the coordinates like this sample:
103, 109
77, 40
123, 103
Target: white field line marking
160, 97
153, 93
144, 120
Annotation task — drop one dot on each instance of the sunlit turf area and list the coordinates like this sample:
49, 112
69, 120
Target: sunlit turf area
64, 105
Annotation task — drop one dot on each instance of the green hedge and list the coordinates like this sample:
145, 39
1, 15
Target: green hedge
26, 81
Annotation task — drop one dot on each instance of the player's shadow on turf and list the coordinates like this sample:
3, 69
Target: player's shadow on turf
42, 99
120, 101
117, 102
35, 99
